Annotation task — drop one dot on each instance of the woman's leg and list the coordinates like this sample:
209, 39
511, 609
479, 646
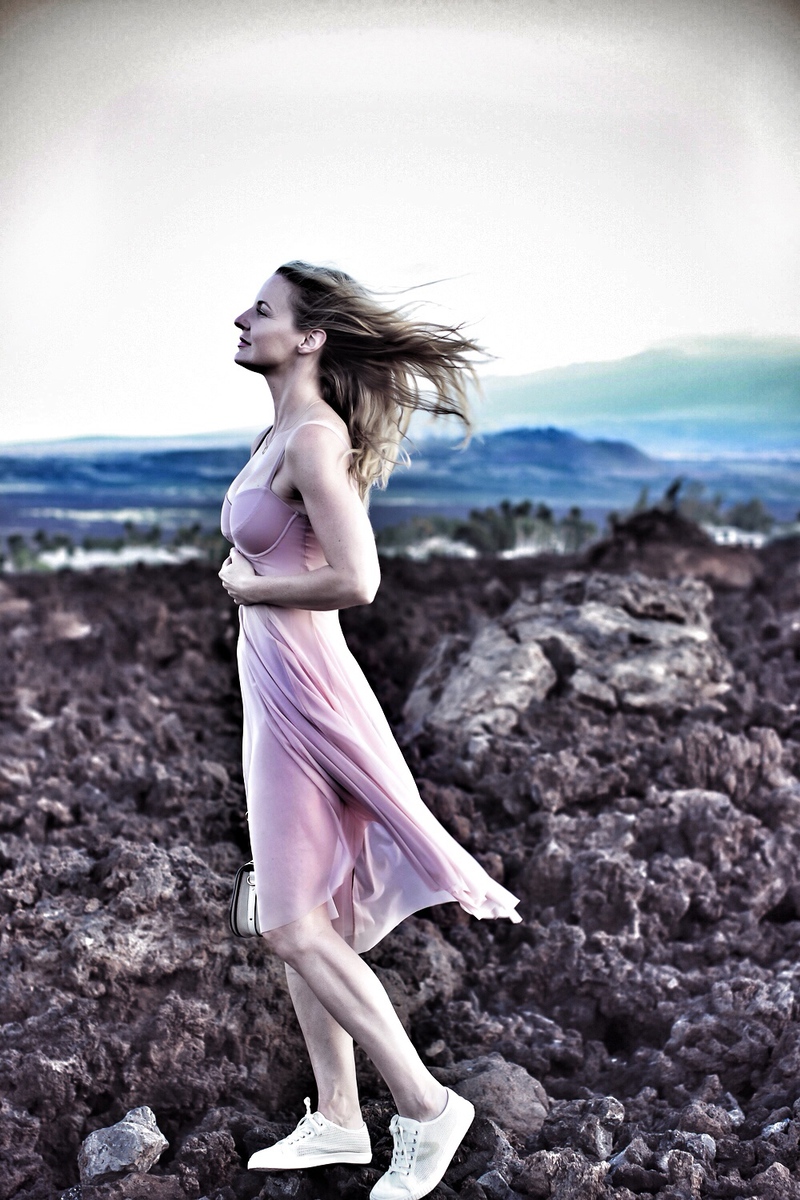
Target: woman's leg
353, 995
330, 1049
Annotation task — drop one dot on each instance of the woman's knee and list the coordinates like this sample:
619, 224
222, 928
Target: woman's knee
296, 941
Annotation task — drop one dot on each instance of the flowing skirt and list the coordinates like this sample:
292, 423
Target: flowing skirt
335, 816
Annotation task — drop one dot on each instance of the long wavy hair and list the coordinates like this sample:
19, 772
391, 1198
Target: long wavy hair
379, 365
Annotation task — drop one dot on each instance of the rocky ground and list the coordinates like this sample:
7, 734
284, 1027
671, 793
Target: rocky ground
616, 738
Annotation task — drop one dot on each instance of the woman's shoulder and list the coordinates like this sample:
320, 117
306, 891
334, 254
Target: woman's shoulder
311, 433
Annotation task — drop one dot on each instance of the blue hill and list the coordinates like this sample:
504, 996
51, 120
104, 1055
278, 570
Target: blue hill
713, 396
550, 448
95, 487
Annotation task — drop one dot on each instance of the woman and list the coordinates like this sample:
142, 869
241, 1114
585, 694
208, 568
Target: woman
343, 846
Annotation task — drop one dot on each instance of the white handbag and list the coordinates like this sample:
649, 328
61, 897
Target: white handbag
243, 915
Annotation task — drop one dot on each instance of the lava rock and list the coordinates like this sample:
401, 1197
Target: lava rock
776, 1183
135, 1187
205, 1160
19, 1134
655, 848
588, 1125
637, 643
561, 1175
134, 1144
494, 680
500, 1090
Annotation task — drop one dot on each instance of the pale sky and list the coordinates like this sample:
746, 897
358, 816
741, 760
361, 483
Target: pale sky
592, 178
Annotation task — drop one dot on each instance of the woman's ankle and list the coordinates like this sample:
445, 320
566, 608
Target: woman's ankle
426, 1105
344, 1115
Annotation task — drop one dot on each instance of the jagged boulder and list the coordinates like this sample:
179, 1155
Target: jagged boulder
501, 1091
134, 1144
488, 685
632, 643
588, 1125
561, 1175
19, 1134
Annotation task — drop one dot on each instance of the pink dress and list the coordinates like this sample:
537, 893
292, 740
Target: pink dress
335, 817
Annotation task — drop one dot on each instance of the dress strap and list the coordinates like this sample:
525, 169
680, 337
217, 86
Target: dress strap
261, 441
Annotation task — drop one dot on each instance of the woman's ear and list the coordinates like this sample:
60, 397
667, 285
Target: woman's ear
312, 341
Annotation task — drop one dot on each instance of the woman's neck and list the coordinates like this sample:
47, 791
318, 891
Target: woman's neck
293, 395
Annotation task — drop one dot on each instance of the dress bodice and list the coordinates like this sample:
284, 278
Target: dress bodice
263, 527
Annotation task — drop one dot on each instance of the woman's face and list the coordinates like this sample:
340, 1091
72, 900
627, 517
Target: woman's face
269, 338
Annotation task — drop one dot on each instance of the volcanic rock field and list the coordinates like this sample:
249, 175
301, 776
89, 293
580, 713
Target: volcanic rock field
616, 738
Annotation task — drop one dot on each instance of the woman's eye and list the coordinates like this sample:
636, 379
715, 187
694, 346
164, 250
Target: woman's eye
263, 312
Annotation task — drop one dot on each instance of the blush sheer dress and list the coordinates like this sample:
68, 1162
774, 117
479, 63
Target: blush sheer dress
334, 814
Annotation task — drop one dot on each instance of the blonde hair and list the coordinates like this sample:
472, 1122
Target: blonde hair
375, 362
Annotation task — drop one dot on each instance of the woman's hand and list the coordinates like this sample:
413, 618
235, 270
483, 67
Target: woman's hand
237, 577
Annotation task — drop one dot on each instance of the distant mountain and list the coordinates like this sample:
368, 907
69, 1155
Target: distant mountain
550, 465
550, 448
116, 470
79, 488
723, 396
561, 468
95, 486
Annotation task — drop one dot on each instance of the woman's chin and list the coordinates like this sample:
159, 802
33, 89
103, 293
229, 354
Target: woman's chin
241, 361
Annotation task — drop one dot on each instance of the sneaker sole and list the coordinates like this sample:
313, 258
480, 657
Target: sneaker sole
318, 1160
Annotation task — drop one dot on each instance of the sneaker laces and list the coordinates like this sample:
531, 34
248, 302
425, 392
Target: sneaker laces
402, 1153
310, 1125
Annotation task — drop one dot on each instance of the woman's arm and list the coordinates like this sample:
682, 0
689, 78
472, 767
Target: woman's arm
317, 467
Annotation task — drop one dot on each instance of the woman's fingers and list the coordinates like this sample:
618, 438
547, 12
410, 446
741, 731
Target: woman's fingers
233, 573
239, 561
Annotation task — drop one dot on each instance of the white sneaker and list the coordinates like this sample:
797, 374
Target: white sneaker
315, 1142
423, 1151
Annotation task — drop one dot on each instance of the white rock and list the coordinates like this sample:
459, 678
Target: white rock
134, 1144
631, 641
493, 683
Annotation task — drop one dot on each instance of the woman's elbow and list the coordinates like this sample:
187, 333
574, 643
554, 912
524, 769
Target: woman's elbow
365, 587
